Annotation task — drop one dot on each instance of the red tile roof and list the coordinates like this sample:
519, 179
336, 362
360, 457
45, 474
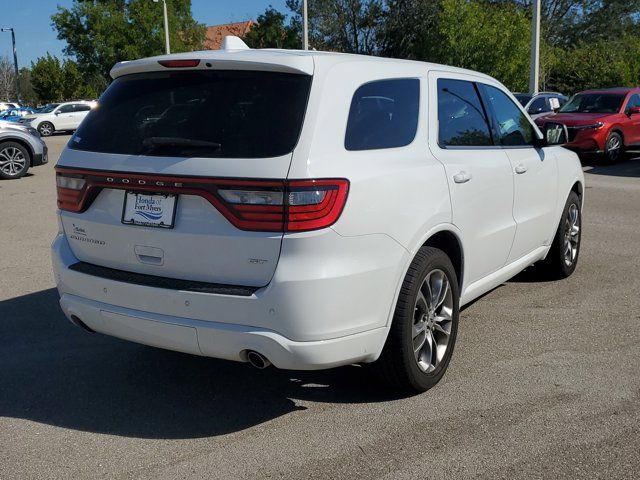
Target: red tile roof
216, 33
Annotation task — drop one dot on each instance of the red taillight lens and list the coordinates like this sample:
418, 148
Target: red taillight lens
71, 191
253, 205
179, 63
314, 204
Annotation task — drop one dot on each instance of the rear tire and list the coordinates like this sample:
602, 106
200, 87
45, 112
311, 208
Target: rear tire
46, 129
563, 256
15, 160
426, 315
613, 148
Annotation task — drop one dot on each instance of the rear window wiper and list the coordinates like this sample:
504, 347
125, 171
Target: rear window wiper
153, 143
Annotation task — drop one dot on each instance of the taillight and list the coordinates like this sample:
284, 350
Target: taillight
299, 205
253, 205
71, 190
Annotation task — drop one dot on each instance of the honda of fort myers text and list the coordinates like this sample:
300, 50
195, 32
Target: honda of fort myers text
306, 209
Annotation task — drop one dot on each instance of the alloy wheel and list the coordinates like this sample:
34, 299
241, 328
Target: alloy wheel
45, 130
572, 235
614, 146
432, 320
12, 161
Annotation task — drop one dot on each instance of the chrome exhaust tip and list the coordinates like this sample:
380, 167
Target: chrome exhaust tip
257, 360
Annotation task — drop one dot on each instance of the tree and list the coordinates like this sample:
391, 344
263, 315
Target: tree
55, 81
27, 93
100, 33
47, 78
270, 31
7, 79
349, 26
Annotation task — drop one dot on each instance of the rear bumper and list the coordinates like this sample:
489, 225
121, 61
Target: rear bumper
318, 312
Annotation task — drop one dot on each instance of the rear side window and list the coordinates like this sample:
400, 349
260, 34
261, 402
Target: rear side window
461, 117
225, 114
383, 114
539, 105
81, 107
514, 128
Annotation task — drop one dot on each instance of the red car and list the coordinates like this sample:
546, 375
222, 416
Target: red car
604, 122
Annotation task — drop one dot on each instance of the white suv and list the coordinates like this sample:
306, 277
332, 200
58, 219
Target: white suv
58, 117
306, 209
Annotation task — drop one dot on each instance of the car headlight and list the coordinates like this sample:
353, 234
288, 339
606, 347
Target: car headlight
593, 126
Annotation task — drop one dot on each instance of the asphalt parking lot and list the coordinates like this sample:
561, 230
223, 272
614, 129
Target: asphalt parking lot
544, 383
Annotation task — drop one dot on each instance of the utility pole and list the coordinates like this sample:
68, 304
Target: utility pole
166, 26
534, 73
15, 60
305, 26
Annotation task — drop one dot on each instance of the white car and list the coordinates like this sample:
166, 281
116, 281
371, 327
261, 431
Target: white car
58, 117
8, 105
306, 209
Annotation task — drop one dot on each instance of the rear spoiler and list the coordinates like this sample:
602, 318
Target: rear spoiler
286, 61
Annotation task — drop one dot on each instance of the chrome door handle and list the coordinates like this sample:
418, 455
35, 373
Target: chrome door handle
521, 169
462, 177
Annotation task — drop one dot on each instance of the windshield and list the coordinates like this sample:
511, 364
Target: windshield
47, 108
523, 98
229, 114
594, 103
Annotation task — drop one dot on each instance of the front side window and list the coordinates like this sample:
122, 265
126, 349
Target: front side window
461, 117
634, 101
212, 114
383, 114
514, 128
66, 109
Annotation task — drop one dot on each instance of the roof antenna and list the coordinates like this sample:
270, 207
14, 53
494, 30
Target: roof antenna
231, 42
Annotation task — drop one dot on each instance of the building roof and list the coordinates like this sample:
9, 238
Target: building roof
216, 33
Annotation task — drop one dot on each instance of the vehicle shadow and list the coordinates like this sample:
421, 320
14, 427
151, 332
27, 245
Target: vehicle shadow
55, 373
625, 168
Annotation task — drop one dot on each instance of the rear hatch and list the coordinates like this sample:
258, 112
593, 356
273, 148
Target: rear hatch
180, 173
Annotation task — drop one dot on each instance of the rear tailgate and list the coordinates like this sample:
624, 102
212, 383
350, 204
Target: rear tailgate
209, 150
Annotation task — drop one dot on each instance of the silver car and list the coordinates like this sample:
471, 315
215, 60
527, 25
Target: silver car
20, 149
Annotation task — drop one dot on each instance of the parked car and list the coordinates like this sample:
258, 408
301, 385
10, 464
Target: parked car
20, 148
8, 105
306, 209
541, 103
602, 122
58, 117
15, 114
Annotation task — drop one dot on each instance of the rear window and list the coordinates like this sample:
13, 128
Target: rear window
383, 114
228, 114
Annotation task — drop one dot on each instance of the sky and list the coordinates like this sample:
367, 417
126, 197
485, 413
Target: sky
31, 20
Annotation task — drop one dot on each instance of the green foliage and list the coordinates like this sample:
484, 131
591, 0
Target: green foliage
27, 93
100, 33
47, 78
271, 31
485, 37
605, 63
55, 81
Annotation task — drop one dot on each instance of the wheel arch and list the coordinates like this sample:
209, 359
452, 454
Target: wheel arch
450, 244
23, 143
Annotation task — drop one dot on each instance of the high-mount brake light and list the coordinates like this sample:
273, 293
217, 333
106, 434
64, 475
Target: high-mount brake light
179, 63
248, 204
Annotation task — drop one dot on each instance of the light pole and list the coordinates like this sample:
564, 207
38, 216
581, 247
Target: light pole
166, 25
305, 26
534, 73
15, 59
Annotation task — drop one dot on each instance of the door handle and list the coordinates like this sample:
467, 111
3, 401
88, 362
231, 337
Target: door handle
462, 177
521, 168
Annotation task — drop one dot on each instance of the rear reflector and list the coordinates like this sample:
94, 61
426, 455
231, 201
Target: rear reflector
179, 63
253, 205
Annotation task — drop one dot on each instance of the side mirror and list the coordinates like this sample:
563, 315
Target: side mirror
634, 111
56, 113
555, 134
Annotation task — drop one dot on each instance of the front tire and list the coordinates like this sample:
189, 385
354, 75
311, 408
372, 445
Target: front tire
46, 129
15, 160
562, 258
613, 148
425, 324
